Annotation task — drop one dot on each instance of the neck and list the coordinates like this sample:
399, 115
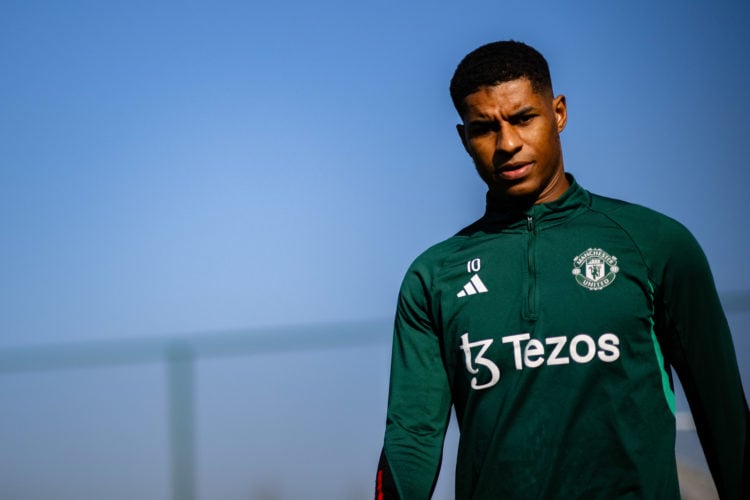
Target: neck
552, 190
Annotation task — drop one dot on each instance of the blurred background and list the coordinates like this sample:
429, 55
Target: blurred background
206, 210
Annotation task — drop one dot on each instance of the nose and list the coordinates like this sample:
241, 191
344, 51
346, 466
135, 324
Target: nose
508, 141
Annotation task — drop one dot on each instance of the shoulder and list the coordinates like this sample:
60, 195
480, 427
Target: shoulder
428, 265
432, 259
624, 210
414, 298
642, 223
664, 242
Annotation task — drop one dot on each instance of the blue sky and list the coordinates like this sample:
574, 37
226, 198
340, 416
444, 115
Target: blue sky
178, 167
172, 167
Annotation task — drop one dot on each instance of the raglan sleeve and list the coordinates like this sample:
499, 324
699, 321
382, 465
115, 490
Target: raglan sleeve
419, 398
694, 331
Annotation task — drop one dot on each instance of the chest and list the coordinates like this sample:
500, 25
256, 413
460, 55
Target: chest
538, 298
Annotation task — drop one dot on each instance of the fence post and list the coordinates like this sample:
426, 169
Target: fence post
179, 358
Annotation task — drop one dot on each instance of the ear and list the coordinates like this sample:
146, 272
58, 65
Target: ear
560, 109
461, 133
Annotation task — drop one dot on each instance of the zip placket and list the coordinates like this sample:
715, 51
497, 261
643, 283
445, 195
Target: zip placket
530, 307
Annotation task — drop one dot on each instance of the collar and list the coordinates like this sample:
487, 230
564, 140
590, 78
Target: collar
572, 202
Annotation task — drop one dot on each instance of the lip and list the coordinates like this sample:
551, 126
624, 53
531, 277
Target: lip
514, 170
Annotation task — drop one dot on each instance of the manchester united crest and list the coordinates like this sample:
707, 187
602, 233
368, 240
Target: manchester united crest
595, 269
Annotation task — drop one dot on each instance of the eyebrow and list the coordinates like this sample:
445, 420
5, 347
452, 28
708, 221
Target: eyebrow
486, 118
523, 111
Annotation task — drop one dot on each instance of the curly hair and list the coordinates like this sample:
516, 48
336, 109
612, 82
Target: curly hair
495, 63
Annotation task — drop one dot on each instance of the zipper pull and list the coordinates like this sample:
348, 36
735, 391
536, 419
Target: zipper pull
530, 222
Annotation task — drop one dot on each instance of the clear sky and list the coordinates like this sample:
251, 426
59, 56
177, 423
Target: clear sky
169, 167
172, 167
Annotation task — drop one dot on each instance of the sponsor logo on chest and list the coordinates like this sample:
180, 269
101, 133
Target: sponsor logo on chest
533, 353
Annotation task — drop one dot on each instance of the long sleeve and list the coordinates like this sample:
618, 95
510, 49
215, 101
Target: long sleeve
693, 328
419, 398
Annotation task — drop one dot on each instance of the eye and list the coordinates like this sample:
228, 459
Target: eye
523, 119
478, 129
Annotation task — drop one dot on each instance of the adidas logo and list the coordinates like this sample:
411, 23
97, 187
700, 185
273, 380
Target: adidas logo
473, 287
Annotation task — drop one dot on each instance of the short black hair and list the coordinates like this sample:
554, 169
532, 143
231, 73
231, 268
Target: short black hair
495, 63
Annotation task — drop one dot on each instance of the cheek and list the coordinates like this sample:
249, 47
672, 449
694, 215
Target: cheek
482, 151
552, 146
544, 142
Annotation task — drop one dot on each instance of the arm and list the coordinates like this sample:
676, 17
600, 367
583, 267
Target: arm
697, 342
418, 400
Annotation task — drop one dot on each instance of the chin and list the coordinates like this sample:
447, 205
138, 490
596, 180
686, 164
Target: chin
521, 189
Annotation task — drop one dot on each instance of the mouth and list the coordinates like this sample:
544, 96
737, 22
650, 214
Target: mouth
512, 171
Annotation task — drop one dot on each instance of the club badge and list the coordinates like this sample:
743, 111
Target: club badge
595, 269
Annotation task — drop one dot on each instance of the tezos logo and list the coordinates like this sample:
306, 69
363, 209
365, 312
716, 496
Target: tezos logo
533, 353
595, 269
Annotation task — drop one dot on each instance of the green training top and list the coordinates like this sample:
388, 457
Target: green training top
552, 332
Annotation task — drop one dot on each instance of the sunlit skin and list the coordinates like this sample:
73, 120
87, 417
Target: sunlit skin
513, 135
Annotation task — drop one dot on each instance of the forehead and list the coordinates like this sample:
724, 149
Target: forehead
504, 98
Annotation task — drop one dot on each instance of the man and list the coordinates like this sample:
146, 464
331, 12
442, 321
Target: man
551, 324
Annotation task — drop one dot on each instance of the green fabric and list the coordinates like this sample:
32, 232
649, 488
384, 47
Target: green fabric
666, 384
539, 329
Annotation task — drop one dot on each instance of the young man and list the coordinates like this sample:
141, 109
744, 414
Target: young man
551, 324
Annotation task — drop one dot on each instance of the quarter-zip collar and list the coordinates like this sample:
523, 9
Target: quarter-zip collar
572, 202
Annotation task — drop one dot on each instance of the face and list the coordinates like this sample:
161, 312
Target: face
513, 135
